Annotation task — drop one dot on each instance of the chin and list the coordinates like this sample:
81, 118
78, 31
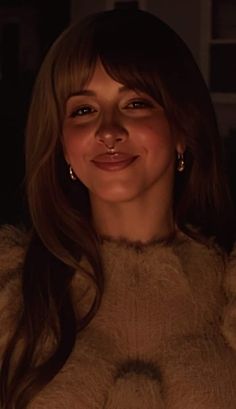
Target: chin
115, 195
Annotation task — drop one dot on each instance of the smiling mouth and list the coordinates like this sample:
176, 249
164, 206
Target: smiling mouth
113, 162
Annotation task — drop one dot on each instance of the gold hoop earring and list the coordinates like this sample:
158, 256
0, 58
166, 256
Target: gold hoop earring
180, 164
72, 175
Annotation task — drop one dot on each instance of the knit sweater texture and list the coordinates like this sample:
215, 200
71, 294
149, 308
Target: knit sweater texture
164, 336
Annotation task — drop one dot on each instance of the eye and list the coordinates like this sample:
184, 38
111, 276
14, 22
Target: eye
139, 104
82, 111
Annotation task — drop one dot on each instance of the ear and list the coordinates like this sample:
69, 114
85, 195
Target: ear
180, 147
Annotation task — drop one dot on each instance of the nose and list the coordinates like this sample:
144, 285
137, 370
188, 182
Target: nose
111, 133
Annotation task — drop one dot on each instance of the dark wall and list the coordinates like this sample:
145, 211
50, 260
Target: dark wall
27, 29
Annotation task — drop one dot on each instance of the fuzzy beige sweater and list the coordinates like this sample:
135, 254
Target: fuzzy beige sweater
163, 338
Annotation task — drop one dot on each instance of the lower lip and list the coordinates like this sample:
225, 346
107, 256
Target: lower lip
114, 166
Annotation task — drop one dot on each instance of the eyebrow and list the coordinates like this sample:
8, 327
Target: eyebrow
88, 92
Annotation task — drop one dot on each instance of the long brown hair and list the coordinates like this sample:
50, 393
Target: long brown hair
140, 51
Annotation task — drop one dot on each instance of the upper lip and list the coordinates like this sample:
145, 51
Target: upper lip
113, 157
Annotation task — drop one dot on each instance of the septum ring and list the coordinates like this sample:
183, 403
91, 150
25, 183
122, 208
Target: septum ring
111, 150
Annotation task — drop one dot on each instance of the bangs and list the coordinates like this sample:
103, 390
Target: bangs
134, 77
125, 50
131, 49
71, 75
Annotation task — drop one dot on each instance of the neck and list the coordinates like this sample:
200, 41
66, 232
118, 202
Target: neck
143, 221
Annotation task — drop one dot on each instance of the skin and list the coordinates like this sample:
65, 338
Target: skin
134, 203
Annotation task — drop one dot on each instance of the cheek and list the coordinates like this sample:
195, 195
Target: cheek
74, 144
156, 137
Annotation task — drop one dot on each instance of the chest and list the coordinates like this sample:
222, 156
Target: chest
145, 305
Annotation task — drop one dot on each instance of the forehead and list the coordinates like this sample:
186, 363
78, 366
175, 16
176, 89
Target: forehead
101, 78
101, 84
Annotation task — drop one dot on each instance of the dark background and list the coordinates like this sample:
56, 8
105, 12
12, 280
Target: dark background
27, 29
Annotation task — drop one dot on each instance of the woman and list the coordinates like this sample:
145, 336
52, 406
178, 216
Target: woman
122, 295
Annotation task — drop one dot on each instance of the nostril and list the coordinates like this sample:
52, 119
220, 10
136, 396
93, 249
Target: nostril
119, 138
109, 135
109, 140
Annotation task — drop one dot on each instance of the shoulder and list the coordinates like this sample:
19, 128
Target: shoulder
219, 269
13, 244
229, 317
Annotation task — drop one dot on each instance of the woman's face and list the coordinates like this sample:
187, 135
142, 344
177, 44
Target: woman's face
107, 114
